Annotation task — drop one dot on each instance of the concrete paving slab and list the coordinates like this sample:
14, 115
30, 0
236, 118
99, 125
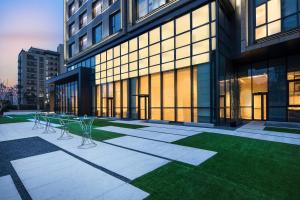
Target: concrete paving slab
8, 190
80, 181
13, 131
173, 131
253, 130
143, 133
116, 159
184, 154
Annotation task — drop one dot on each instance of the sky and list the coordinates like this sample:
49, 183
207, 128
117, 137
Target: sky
26, 23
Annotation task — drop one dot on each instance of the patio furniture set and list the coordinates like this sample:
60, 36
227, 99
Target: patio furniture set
65, 120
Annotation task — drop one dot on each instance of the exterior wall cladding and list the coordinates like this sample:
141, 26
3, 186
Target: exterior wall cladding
218, 61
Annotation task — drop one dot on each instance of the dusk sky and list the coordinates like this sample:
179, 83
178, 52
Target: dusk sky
26, 23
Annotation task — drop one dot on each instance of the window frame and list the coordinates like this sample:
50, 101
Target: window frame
94, 31
81, 46
112, 19
81, 24
70, 29
70, 52
70, 12
94, 14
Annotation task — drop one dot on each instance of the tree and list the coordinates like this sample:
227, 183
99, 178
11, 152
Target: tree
5, 93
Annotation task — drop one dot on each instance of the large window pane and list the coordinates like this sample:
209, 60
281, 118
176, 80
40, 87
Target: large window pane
154, 35
245, 97
201, 47
155, 96
133, 45
124, 94
117, 99
144, 85
183, 52
183, 24
200, 16
200, 33
142, 7
183, 39
168, 30
184, 95
143, 40
261, 15
274, 27
261, 32
274, 10
168, 98
168, 45
115, 22
168, 56
154, 49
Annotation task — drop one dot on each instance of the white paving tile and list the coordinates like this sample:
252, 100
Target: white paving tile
8, 190
76, 180
253, 130
173, 131
13, 131
143, 133
184, 154
119, 160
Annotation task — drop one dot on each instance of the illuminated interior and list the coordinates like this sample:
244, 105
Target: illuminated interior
253, 97
152, 72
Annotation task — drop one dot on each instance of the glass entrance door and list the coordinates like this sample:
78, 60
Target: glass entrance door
260, 106
110, 107
144, 107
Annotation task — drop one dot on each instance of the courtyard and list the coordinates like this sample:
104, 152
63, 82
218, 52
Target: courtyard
141, 160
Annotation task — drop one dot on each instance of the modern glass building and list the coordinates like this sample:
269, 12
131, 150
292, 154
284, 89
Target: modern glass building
218, 61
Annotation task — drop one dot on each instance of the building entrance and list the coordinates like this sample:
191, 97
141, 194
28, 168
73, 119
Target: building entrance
260, 106
143, 107
110, 107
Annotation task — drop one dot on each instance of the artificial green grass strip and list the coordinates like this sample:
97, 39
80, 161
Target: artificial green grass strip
15, 118
242, 169
283, 130
97, 135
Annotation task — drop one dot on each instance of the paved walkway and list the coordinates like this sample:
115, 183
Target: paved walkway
127, 163
252, 130
143, 133
171, 131
175, 152
8, 190
57, 175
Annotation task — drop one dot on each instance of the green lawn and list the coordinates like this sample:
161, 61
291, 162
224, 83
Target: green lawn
242, 169
284, 130
98, 135
15, 118
105, 122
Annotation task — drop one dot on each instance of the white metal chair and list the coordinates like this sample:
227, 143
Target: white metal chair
86, 125
64, 133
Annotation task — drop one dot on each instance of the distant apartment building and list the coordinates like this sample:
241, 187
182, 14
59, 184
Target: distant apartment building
35, 66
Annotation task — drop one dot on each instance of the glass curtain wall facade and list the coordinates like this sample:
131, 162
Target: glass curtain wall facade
270, 90
66, 99
275, 16
163, 74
